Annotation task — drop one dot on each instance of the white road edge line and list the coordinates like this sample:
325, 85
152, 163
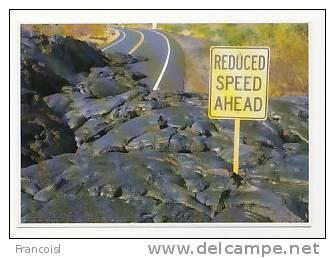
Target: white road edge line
117, 42
166, 61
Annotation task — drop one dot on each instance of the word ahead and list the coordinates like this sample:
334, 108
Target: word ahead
239, 82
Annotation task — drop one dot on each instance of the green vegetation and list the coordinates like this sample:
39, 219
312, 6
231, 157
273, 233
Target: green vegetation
288, 44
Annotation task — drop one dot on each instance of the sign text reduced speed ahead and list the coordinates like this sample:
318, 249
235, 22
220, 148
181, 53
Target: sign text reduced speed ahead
238, 86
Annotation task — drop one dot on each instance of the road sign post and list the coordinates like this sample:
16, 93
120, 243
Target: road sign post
236, 145
238, 87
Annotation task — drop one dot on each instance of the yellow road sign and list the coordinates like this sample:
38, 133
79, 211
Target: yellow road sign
238, 87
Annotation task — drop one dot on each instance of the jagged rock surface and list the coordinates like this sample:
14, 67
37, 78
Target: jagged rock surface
109, 150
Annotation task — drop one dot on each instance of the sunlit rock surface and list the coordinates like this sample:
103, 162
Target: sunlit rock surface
168, 162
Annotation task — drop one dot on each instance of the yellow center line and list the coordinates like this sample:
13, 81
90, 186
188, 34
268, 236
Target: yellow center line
139, 43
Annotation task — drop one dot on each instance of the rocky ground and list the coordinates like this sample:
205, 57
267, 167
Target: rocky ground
99, 146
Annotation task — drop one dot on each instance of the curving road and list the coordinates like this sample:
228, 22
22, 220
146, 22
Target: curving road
165, 65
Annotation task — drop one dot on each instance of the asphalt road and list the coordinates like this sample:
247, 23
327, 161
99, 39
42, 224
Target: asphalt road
165, 65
